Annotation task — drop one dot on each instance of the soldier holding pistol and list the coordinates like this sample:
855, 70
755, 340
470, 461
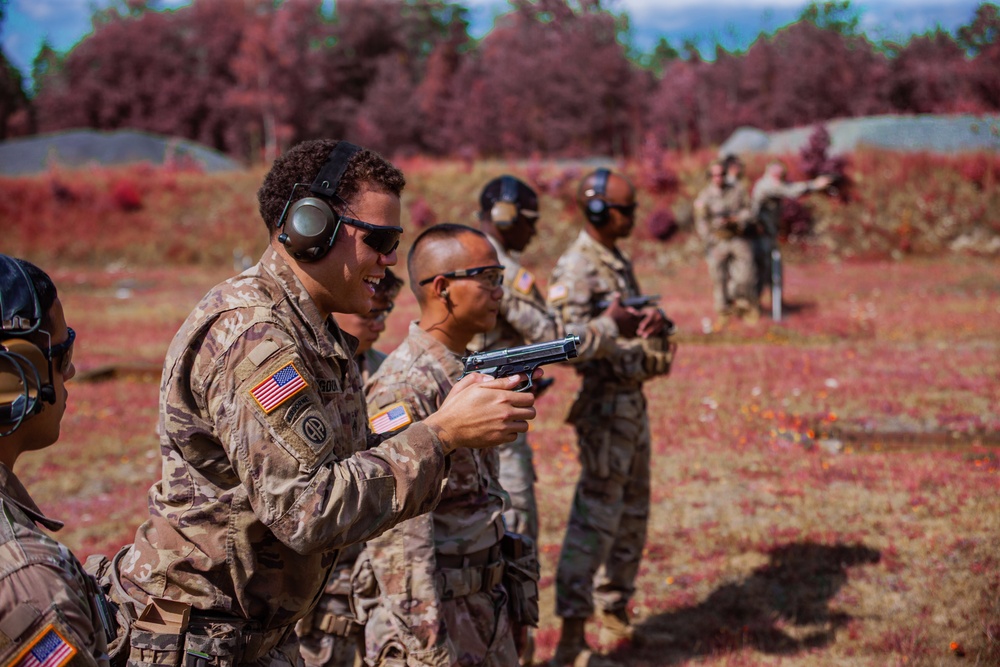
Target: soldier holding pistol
439, 598
607, 525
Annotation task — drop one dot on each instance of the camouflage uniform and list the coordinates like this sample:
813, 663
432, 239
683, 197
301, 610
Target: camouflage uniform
440, 599
262, 482
526, 318
722, 219
47, 601
330, 636
607, 524
766, 200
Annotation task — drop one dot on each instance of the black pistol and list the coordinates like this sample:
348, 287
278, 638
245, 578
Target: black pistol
631, 301
523, 359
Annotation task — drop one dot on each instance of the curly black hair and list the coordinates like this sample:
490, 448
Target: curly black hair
301, 164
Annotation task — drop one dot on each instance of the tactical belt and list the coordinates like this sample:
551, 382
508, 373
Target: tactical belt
458, 576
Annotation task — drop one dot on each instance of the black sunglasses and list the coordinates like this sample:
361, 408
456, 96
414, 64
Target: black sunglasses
382, 240
496, 281
63, 352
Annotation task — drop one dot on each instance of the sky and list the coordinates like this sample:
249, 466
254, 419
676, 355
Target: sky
732, 23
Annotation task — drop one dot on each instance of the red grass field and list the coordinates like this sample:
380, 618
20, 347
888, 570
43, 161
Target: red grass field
825, 489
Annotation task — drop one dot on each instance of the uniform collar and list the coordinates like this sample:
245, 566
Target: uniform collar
612, 258
431, 345
13, 490
323, 329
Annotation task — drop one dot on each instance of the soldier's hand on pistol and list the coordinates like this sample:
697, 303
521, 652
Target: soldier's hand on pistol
654, 323
481, 411
626, 318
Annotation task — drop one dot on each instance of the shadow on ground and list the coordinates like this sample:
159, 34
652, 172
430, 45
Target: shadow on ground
763, 612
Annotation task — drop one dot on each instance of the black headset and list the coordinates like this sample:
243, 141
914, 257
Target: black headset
595, 207
505, 209
25, 381
309, 226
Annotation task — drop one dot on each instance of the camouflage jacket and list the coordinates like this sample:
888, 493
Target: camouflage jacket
766, 200
266, 465
418, 375
586, 273
47, 603
526, 318
721, 210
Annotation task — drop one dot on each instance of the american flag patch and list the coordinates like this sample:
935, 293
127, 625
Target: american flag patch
558, 293
275, 390
49, 649
394, 417
524, 281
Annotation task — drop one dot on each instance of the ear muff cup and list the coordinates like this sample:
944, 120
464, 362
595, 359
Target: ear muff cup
597, 212
503, 214
594, 206
310, 229
23, 376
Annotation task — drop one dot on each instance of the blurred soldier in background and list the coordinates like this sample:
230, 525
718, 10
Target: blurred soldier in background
330, 636
722, 216
440, 600
508, 214
269, 467
50, 609
734, 171
766, 204
607, 524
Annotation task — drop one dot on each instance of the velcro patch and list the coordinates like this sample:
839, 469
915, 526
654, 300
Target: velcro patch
392, 418
49, 648
524, 281
278, 388
558, 293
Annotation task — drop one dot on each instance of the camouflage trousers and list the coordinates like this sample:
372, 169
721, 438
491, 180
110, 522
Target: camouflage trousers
734, 275
478, 627
607, 524
517, 477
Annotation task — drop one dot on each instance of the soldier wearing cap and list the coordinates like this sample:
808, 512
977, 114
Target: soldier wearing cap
50, 608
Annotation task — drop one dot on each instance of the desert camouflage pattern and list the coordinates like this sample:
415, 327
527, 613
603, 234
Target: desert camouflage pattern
254, 503
607, 525
42, 585
330, 635
415, 619
722, 220
525, 318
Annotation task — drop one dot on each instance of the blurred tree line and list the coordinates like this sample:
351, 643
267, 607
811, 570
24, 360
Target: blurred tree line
251, 77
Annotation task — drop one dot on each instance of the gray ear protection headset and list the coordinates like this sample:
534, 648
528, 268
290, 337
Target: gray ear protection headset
505, 209
596, 207
309, 226
25, 380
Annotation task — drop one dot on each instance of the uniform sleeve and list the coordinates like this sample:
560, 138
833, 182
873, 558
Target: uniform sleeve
284, 440
47, 604
535, 322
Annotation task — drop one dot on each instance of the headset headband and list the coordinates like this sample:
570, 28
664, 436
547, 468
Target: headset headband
20, 312
333, 169
601, 182
508, 189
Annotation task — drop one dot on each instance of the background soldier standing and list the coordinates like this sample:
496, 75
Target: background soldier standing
268, 467
330, 635
722, 215
766, 203
607, 524
440, 599
49, 607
